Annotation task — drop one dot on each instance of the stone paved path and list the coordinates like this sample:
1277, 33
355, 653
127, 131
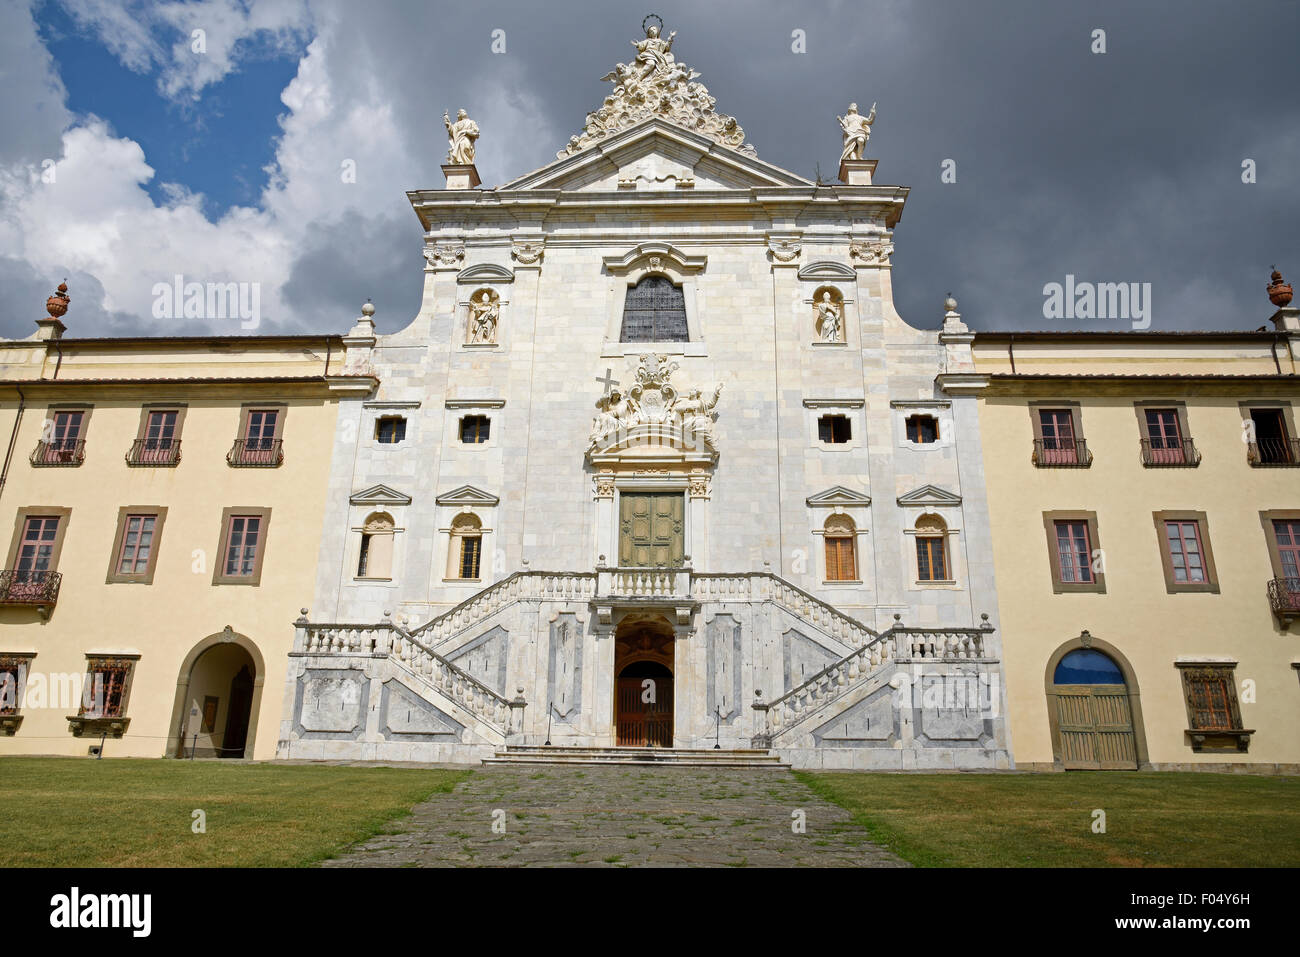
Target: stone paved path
622, 816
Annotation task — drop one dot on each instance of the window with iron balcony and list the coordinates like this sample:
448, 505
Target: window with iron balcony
1057, 439
1163, 443
158, 444
259, 445
31, 578
1272, 444
62, 442
1284, 549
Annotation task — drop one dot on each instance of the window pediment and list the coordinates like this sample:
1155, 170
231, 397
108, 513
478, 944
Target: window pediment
929, 495
838, 495
379, 495
655, 257
467, 495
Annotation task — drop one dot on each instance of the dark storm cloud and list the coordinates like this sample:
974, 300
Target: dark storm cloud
1122, 166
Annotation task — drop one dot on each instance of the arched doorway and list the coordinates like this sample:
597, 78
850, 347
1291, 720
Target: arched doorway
643, 685
1093, 709
218, 695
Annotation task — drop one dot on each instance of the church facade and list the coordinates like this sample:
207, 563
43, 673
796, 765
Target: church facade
657, 463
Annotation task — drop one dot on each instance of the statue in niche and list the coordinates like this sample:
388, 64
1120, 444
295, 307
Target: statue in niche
461, 136
483, 316
828, 319
857, 130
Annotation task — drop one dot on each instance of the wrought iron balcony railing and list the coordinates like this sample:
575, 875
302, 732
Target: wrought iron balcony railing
154, 452
1181, 453
27, 587
1055, 453
259, 453
1284, 597
1273, 452
59, 452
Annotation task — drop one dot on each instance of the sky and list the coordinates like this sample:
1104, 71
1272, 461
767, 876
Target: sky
272, 143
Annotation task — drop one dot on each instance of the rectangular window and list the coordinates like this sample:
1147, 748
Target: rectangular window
36, 547
62, 441
241, 545
1165, 437
1073, 552
474, 429
160, 430
390, 430
1183, 539
1212, 699
470, 548
260, 432
66, 429
259, 443
922, 429
1272, 445
242, 548
1286, 535
137, 544
931, 561
840, 562
833, 429
1059, 445
106, 681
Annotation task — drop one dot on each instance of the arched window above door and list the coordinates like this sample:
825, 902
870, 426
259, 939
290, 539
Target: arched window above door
1087, 666
654, 310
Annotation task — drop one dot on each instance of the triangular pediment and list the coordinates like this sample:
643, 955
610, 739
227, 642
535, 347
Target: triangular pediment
379, 495
838, 495
467, 495
656, 155
929, 495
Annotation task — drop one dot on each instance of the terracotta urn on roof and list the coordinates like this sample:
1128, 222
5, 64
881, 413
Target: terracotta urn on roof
57, 304
1279, 292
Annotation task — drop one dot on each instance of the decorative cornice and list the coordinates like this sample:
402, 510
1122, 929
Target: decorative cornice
475, 403
467, 495
485, 272
379, 495
929, 495
656, 253
833, 403
827, 269
837, 495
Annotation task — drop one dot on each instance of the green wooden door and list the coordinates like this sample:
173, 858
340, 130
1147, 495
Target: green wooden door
651, 529
1095, 723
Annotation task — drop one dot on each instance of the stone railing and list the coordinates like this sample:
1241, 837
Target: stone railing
521, 586
838, 678
765, 586
388, 641
643, 582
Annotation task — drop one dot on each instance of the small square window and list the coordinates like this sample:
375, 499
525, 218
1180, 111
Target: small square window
834, 429
474, 429
922, 429
390, 430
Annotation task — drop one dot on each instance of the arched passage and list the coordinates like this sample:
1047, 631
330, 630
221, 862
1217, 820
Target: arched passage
218, 698
1094, 708
643, 683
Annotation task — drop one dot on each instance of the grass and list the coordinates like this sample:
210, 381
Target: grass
73, 812
1152, 819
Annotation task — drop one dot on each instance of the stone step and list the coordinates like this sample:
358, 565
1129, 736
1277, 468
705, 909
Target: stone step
675, 757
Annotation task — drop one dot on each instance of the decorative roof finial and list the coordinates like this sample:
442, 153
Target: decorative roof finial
368, 309
1279, 292
57, 304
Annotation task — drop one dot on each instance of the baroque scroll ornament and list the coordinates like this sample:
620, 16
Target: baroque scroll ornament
653, 400
655, 84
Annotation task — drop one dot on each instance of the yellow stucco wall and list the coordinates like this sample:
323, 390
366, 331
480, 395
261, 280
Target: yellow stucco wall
1150, 627
164, 621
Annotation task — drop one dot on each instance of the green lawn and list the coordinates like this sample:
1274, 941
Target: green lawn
62, 812
1046, 820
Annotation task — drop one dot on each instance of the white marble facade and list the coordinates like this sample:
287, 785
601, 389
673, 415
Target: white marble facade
416, 664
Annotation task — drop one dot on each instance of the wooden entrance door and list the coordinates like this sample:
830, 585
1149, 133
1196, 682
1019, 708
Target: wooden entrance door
1095, 723
651, 529
641, 723
235, 740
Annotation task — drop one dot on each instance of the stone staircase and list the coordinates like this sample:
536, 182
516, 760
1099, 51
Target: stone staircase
754, 758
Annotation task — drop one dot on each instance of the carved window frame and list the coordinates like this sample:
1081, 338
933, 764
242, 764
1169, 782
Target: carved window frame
852, 409
372, 526
622, 280
916, 527
159, 515
19, 663
938, 409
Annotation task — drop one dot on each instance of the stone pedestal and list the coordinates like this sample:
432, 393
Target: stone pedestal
461, 175
855, 172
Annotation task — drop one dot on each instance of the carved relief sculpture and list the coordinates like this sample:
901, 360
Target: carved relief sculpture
655, 84
461, 136
483, 317
828, 319
653, 400
874, 252
857, 130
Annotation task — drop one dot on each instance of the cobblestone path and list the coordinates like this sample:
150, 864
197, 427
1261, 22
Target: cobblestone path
619, 817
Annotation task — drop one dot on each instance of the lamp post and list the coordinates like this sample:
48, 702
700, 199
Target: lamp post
717, 728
